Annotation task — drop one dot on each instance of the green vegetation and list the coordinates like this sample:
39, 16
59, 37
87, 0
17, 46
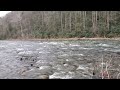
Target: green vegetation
60, 24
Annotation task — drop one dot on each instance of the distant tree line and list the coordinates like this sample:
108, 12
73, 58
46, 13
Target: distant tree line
60, 24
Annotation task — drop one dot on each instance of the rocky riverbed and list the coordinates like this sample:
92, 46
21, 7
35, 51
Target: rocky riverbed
80, 59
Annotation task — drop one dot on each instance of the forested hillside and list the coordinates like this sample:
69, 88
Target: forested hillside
60, 24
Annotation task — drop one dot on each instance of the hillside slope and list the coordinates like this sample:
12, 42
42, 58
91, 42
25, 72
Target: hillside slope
60, 24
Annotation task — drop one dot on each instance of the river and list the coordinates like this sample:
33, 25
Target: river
58, 59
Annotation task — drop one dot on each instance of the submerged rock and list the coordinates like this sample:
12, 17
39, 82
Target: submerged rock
35, 72
43, 77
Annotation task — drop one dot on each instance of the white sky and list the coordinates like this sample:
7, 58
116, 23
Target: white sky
3, 13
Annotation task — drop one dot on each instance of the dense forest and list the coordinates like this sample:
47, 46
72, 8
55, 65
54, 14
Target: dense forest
60, 24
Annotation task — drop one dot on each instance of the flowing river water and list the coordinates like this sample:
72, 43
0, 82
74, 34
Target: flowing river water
58, 59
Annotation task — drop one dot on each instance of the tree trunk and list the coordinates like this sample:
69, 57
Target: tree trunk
108, 19
21, 27
75, 19
84, 19
94, 21
61, 21
65, 21
70, 21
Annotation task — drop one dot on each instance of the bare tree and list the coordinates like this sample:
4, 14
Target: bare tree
70, 21
94, 21
61, 16
21, 27
108, 18
84, 20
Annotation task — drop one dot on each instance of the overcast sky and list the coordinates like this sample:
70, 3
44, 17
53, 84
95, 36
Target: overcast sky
3, 13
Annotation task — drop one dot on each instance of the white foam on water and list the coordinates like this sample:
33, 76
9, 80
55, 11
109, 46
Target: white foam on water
81, 67
82, 47
44, 52
12, 43
44, 46
79, 54
73, 45
39, 49
44, 67
87, 48
104, 45
71, 72
67, 59
106, 49
26, 52
64, 55
66, 65
61, 43
54, 43
40, 52
40, 61
27, 45
45, 42
2, 46
64, 48
40, 43
20, 49
61, 75
118, 50
102, 64
67, 77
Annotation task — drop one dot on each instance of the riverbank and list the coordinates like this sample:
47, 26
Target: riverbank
56, 39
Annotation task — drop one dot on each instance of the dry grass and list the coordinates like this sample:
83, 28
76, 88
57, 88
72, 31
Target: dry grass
104, 70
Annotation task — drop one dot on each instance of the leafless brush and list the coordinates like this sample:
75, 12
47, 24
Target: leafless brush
107, 66
118, 75
102, 71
